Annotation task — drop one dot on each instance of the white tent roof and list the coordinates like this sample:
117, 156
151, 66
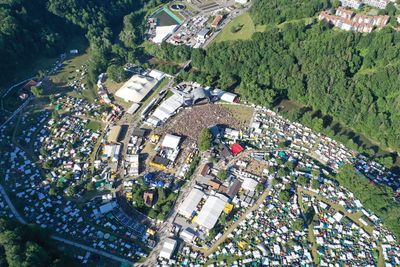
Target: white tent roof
161, 113
210, 212
163, 32
228, 97
190, 203
168, 248
156, 74
188, 235
136, 88
168, 107
249, 184
133, 108
171, 141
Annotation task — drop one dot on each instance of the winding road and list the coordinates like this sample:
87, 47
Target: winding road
60, 239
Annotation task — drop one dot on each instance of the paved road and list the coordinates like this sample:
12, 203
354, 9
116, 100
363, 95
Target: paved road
90, 249
16, 112
165, 228
11, 206
66, 241
17, 84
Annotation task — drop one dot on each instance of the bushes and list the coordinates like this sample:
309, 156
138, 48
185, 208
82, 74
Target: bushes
193, 165
27, 246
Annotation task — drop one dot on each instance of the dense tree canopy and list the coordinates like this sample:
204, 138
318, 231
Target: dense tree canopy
33, 29
277, 11
27, 246
27, 30
205, 139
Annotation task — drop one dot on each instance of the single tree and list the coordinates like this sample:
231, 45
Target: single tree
205, 139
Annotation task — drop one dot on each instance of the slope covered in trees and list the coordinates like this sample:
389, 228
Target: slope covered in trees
278, 11
33, 29
27, 246
28, 30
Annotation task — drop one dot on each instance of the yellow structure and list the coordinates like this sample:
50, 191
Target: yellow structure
154, 138
189, 158
228, 208
128, 195
151, 232
158, 166
194, 219
242, 245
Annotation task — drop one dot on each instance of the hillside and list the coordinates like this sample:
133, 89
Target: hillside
32, 30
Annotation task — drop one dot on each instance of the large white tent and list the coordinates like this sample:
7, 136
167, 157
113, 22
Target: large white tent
249, 184
210, 212
229, 97
190, 203
168, 248
163, 32
171, 141
136, 88
168, 107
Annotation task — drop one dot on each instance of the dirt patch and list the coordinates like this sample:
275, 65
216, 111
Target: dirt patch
190, 121
256, 167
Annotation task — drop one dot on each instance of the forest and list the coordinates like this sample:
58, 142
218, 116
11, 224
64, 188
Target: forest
28, 246
278, 11
30, 30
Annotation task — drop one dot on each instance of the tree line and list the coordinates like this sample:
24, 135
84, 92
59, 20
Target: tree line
28, 246
278, 11
30, 30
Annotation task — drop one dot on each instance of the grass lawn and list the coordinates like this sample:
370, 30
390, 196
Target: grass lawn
93, 125
245, 27
241, 113
68, 71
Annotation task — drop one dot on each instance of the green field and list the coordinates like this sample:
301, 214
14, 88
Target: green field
68, 73
245, 29
93, 125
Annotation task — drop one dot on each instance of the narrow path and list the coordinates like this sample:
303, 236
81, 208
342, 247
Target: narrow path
311, 236
11, 206
236, 224
90, 249
352, 216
